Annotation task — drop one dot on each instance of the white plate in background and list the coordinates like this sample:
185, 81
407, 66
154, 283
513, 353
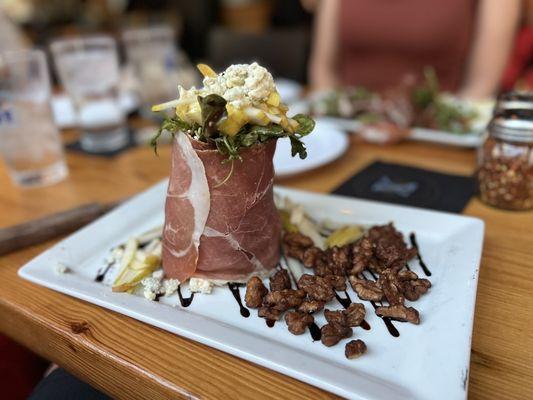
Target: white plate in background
428, 361
324, 145
289, 90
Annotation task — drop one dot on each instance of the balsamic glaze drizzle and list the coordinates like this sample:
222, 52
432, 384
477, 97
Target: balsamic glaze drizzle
423, 265
316, 334
270, 322
365, 325
102, 273
234, 288
185, 302
345, 302
158, 296
388, 323
387, 320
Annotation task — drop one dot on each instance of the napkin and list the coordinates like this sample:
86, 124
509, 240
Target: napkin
417, 187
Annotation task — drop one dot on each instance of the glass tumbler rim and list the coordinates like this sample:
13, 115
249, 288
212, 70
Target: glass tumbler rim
77, 43
22, 55
148, 32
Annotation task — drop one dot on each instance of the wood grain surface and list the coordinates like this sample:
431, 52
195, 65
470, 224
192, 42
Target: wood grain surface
128, 359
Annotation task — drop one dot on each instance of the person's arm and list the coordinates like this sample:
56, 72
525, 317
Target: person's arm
322, 68
496, 24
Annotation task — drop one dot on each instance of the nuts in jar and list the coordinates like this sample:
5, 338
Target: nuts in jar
505, 161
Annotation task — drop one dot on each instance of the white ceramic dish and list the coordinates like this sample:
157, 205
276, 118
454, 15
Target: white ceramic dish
288, 89
470, 140
429, 361
326, 144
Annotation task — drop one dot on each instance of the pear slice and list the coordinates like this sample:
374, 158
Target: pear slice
130, 279
132, 271
344, 236
274, 99
256, 116
206, 70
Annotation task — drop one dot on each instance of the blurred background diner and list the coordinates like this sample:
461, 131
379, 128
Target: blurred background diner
81, 77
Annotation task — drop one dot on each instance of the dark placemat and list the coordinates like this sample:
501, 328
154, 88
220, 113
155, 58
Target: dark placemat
76, 146
400, 184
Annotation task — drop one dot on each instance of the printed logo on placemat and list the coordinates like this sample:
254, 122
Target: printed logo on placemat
386, 185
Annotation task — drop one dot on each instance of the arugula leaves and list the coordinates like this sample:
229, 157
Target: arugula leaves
213, 108
170, 125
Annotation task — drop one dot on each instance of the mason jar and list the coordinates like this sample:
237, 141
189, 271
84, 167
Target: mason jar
513, 101
505, 161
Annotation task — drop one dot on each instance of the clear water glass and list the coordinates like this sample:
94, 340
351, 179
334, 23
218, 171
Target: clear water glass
30, 143
89, 71
152, 54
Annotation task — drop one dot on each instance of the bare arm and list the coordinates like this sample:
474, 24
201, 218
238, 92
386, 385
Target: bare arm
493, 39
322, 69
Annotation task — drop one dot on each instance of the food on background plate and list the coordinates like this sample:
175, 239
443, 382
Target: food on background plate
410, 104
221, 222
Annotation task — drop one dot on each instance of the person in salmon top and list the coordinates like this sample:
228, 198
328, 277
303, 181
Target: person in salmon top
376, 43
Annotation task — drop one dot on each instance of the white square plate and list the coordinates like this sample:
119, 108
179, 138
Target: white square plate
429, 361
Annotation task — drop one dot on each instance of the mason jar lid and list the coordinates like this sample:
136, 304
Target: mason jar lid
514, 101
513, 125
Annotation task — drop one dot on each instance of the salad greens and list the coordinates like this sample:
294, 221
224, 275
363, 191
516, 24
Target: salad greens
213, 109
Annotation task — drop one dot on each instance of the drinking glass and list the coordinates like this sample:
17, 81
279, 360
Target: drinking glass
88, 69
152, 54
29, 140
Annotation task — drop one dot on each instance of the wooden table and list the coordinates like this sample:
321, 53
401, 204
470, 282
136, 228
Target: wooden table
129, 359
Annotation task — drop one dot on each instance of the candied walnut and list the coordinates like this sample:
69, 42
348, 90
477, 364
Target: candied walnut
269, 313
391, 286
297, 321
407, 275
399, 313
322, 268
413, 289
366, 290
376, 265
338, 259
255, 291
295, 244
389, 247
355, 314
362, 252
333, 333
354, 349
311, 306
280, 280
336, 281
294, 252
335, 317
316, 287
297, 239
282, 300
311, 256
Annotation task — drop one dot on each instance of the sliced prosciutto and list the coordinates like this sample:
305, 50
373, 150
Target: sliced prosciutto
186, 210
241, 234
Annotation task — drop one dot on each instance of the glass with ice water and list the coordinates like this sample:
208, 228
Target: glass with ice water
29, 139
88, 69
152, 54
